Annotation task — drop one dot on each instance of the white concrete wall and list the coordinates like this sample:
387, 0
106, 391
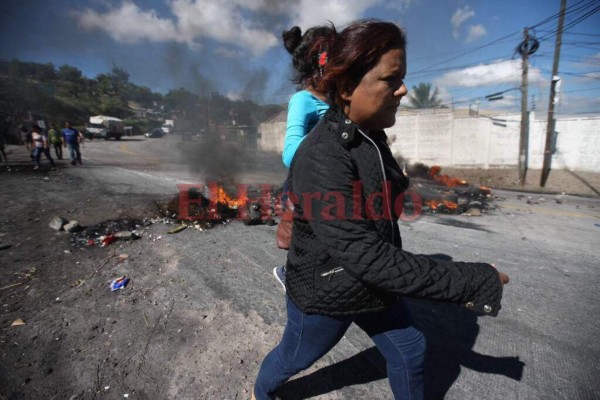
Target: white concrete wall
272, 135
441, 138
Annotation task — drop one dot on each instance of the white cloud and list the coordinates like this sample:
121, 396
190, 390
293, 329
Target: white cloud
573, 104
228, 53
307, 13
223, 21
249, 25
129, 24
500, 72
587, 77
459, 17
475, 32
400, 5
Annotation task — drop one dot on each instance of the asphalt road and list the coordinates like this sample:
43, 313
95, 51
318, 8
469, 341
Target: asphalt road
543, 345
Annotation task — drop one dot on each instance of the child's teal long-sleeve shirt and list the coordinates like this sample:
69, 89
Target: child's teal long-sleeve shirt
304, 111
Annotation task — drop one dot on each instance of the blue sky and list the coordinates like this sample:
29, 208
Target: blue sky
466, 48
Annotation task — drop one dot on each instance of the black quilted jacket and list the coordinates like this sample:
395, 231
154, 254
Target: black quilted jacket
346, 254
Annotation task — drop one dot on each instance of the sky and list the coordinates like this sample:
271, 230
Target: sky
465, 48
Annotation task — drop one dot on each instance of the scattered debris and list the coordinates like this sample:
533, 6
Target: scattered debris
106, 240
125, 235
473, 212
18, 322
57, 223
122, 229
177, 229
72, 226
77, 283
27, 276
119, 283
254, 215
444, 194
254, 205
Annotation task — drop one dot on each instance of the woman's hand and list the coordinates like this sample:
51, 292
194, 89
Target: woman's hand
503, 277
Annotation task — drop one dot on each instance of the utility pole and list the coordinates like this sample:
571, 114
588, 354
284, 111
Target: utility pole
550, 124
524, 137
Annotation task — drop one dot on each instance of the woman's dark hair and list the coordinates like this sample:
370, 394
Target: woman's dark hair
305, 50
356, 50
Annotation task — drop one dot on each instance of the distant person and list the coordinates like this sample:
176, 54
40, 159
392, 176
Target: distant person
2, 153
26, 140
346, 264
307, 106
71, 139
41, 146
55, 140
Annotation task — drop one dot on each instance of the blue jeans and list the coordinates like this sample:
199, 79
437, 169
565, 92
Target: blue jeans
37, 155
74, 152
308, 337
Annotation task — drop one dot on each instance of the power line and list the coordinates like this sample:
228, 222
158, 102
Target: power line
555, 16
473, 49
582, 34
479, 63
582, 90
574, 21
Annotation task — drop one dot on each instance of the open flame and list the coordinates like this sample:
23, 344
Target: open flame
222, 197
435, 204
485, 189
434, 173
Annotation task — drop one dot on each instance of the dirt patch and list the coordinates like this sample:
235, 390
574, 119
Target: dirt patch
559, 181
82, 341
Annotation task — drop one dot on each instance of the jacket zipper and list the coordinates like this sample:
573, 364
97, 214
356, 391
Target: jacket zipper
387, 196
332, 272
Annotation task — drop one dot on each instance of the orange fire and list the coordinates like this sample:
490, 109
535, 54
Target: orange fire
434, 173
223, 198
434, 204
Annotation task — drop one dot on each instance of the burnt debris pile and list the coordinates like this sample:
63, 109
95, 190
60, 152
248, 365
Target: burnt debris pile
206, 206
440, 193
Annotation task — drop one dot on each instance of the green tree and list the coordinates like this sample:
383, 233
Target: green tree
69, 73
181, 99
422, 97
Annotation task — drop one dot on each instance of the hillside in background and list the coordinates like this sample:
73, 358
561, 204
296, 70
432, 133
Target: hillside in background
32, 91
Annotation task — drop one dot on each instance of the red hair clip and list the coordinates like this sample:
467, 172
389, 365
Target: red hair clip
322, 59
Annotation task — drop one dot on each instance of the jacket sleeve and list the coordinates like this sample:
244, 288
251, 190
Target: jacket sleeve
322, 176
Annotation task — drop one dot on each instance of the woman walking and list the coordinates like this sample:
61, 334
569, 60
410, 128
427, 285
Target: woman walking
346, 263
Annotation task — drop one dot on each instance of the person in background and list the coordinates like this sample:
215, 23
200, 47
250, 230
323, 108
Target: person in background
71, 139
40, 144
27, 141
55, 139
2, 152
346, 263
308, 105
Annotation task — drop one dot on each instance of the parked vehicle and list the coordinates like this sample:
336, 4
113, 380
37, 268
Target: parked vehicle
104, 127
155, 133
